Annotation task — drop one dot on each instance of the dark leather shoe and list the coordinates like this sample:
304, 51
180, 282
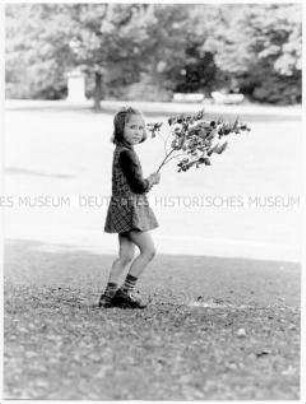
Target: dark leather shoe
127, 300
105, 302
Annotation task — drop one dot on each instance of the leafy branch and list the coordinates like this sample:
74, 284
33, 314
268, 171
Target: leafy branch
195, 139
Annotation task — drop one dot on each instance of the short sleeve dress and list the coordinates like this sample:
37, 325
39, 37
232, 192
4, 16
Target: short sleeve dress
129, 207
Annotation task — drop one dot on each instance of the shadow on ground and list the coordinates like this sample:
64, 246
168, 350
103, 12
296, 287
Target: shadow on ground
215, 328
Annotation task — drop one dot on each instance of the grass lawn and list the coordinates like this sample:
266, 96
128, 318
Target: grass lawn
67, 153
215, 329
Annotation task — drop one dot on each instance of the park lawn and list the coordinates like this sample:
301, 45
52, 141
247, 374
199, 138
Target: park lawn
72, 157
215, 328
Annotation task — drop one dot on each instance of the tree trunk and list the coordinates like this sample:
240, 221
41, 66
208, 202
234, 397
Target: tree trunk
98, 91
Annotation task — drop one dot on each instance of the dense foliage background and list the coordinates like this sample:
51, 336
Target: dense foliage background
145, 51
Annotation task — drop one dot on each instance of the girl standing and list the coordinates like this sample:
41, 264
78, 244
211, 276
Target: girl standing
129, 213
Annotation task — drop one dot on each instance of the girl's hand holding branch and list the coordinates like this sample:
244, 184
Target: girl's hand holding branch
154, 178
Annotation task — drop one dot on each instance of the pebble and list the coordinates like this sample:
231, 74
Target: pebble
241, 333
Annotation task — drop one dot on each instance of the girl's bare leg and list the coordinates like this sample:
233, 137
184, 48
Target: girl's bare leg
145, 243
125, 296
126, 255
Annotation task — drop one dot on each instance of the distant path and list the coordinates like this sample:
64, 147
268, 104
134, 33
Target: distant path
282, 112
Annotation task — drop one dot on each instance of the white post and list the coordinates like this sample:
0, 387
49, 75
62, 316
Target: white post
76, 86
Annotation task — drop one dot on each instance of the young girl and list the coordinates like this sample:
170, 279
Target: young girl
129, 213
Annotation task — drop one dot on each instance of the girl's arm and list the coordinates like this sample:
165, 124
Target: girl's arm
132, 171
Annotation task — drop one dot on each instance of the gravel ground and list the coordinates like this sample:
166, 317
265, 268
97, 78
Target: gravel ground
215, 328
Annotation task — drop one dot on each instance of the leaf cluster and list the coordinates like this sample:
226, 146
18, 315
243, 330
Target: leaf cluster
192, 139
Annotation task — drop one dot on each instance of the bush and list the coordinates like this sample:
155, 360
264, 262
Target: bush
279, 90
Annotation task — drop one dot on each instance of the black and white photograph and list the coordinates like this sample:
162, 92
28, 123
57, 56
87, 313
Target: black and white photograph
152, 201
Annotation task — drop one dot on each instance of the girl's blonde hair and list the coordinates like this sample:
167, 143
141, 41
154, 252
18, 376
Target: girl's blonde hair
120, 120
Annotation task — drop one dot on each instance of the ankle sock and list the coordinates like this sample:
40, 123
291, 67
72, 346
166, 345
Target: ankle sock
111, 289
129, 284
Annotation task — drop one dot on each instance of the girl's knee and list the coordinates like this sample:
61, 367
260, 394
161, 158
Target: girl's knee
126, 258
150, 253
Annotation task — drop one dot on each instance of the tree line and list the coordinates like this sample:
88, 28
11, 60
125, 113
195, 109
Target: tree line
151, 51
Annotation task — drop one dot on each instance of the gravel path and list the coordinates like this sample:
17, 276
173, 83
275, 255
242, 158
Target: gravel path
216, 329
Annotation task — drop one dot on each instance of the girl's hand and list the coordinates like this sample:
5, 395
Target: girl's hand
154, 178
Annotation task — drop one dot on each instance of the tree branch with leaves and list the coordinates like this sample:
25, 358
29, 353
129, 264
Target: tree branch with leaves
195, 139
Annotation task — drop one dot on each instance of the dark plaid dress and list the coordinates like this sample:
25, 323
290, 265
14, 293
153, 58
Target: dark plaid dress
129, 207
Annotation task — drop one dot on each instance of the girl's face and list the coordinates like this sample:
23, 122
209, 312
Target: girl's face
134, 130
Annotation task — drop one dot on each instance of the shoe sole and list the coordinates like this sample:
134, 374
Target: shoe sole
124, 305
